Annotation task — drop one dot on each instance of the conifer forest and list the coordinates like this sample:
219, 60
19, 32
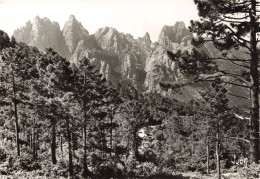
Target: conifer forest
107, 105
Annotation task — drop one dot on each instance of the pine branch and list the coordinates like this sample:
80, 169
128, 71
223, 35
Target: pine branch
247, 67
237, 59
241, 3
234, 21
235, 34
241, 41
167, 86
236, 18
234, 76
238, 96
226, 82
239, 139
233, 59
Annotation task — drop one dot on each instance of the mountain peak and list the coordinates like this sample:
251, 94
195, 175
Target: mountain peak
147, 38
41, 33
180, 24
73, 32
72, 21
106, 29
36, 18
174, 34
109, 32
72, 17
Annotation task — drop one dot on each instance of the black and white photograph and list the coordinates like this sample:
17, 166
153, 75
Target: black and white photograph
129, 89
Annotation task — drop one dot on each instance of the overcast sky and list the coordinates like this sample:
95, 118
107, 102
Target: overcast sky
129, 16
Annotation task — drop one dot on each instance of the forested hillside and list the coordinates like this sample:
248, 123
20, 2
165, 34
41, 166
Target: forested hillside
62, 119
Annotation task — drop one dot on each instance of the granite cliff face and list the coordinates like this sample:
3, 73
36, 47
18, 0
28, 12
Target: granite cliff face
118, 56
177, 34
42, 33
73, 33
158, 66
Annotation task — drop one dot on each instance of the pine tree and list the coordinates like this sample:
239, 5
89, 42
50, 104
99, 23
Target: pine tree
216, 112
136, 115
231, 26
87, 82
67, 102
17, 71
56, 74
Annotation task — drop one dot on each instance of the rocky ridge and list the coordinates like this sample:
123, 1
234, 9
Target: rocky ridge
118, 56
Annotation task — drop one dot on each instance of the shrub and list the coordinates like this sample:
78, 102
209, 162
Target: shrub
26, 164
146, 169
109, 169
3, 155
253, 171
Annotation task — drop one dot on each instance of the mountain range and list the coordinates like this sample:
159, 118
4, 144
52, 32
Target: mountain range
118, 56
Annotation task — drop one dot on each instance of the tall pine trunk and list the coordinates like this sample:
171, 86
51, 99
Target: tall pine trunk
135, 143
34, 140
218, 154
69, 148
85, 167
111, 133
254, 80
16, 117
36, 145
61, 149
207, 138
207, 154
53, 143
30, 140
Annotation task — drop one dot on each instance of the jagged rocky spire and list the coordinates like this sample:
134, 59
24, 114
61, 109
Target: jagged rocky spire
147, 38
73, 32
174, 34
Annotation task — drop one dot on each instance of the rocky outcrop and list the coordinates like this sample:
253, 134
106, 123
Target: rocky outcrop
177, 34
159, 67
73, 32
42, 33
110, 40
23, 34
131, 54
146, 39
